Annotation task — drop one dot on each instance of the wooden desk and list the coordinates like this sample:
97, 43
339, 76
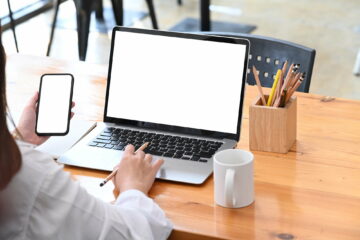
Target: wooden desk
313, 192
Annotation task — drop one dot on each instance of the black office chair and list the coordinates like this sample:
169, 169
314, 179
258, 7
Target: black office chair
269, 54
84, 8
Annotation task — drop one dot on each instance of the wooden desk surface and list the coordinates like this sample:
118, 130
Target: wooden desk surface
313, 192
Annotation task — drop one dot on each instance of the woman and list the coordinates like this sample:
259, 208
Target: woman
38, 200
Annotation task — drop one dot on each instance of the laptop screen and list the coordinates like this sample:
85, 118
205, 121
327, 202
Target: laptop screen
176, 81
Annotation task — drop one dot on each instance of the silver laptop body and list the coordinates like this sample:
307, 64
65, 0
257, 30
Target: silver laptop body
185, 88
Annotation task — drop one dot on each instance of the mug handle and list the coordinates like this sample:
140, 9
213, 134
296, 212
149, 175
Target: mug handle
229, 187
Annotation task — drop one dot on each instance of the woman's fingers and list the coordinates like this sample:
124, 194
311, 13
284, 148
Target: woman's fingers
148, 158
129, 150
140, 154
156, 166
33, 100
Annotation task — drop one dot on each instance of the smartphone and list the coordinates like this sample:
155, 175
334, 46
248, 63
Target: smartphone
54, 104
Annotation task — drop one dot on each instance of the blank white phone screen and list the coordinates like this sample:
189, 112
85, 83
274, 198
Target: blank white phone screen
54, 104
176, 81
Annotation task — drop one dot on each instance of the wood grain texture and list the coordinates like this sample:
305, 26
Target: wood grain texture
312, 192
272, 129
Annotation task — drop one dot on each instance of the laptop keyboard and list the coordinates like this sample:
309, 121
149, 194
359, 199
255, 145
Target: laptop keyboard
160, 144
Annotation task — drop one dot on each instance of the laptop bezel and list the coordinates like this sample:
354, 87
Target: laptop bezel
177, 129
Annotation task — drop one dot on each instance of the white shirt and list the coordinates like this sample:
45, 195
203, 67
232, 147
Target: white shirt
43, 202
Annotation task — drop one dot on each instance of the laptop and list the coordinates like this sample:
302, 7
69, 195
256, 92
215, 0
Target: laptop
183, 93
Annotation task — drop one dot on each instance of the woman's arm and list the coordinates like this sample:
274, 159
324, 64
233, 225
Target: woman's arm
64, 210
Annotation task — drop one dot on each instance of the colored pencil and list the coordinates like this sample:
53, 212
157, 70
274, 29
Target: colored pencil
271, 97
258, 84
288, 76
279, 88
112, 174
295, 87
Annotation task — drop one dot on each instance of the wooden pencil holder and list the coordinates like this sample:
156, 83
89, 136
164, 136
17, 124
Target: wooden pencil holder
272, 129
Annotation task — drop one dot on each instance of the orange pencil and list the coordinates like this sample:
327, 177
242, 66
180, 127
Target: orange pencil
283, 99
281, 82
296, 86
288, 76
294, 81
295, 73
258, 84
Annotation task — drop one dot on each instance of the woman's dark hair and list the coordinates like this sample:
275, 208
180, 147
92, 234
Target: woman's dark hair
10, 157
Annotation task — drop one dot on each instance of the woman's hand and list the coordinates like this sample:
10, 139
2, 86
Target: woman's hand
136, 171
27, 122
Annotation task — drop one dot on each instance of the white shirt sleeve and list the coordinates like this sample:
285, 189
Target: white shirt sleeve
64, 210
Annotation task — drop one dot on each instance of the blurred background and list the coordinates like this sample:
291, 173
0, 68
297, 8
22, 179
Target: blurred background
331, 27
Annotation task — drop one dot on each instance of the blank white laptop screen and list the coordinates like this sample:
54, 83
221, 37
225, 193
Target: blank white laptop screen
176, 81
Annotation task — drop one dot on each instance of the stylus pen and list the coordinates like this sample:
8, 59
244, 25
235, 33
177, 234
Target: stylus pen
112, 174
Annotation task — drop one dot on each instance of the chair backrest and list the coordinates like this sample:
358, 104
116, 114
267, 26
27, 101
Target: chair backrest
269, 54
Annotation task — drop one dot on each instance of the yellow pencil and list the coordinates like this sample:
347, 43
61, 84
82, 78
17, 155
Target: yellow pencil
274, 88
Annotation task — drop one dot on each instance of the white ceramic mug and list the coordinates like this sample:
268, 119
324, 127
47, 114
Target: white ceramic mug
234, 178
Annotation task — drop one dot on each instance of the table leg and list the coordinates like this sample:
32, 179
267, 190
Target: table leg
12, 24
83, 16
357, 65
118, 9
205, 15
100, 10
53, 25
152, 13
